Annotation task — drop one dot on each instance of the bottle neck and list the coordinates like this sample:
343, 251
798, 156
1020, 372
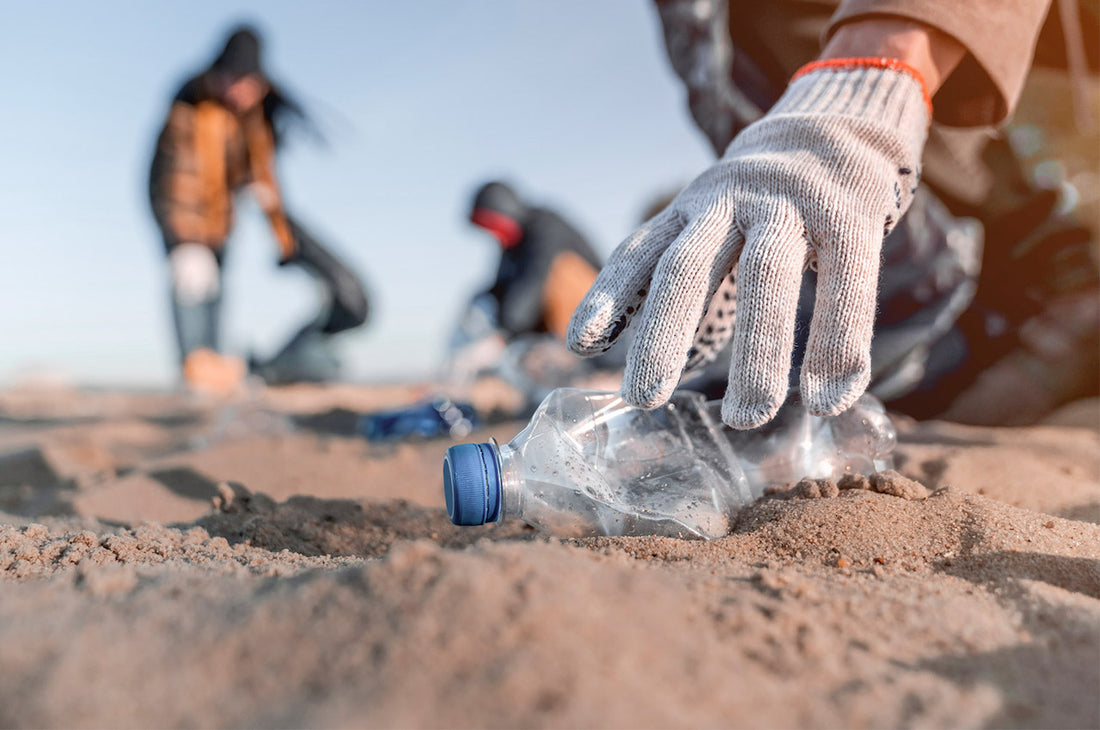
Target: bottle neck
511, 482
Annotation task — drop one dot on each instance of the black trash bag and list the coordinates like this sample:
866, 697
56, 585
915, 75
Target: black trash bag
347, 306
308, 356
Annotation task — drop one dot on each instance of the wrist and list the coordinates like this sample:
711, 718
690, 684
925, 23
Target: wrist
931, 53
850, 91
882, 91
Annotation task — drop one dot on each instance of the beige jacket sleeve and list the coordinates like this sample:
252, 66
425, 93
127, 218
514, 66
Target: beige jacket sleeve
999, 36
261, 160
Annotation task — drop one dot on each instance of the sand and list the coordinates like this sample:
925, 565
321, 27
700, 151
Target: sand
171, 562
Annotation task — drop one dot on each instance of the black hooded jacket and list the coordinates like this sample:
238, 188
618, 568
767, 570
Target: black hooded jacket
541, 278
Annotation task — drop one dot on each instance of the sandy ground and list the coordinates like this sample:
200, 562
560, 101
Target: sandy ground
168, 562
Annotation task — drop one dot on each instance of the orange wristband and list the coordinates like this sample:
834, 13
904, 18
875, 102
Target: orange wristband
852, 64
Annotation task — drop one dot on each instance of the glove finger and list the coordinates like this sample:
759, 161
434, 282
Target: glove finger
621, 286
769, 274
687, 274
716, 327
837, 367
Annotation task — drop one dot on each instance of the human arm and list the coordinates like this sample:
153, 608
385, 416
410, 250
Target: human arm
998, 38
930, 52
265, 187
174, 183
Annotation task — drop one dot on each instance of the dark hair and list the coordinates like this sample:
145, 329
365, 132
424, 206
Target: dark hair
242, 56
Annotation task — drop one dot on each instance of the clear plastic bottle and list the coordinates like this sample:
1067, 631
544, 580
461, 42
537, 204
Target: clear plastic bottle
589, 464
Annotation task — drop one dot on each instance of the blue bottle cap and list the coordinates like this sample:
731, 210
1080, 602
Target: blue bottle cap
471, 484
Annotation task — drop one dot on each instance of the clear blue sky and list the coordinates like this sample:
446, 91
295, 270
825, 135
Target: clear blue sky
573, 100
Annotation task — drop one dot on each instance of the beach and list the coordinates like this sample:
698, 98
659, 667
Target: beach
169, 561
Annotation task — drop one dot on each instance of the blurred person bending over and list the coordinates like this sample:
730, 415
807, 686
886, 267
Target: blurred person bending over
545, 265
518, 325
220, 138
795, 247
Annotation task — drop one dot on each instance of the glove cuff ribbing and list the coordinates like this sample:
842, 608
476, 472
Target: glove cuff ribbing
884, 89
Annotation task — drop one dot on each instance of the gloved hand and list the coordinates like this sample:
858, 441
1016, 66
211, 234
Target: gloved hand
819, 181
196, 274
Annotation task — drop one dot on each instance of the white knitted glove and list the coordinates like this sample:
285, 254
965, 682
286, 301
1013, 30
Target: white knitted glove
818, 181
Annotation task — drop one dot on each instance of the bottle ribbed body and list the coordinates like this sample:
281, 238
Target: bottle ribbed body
588, 464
